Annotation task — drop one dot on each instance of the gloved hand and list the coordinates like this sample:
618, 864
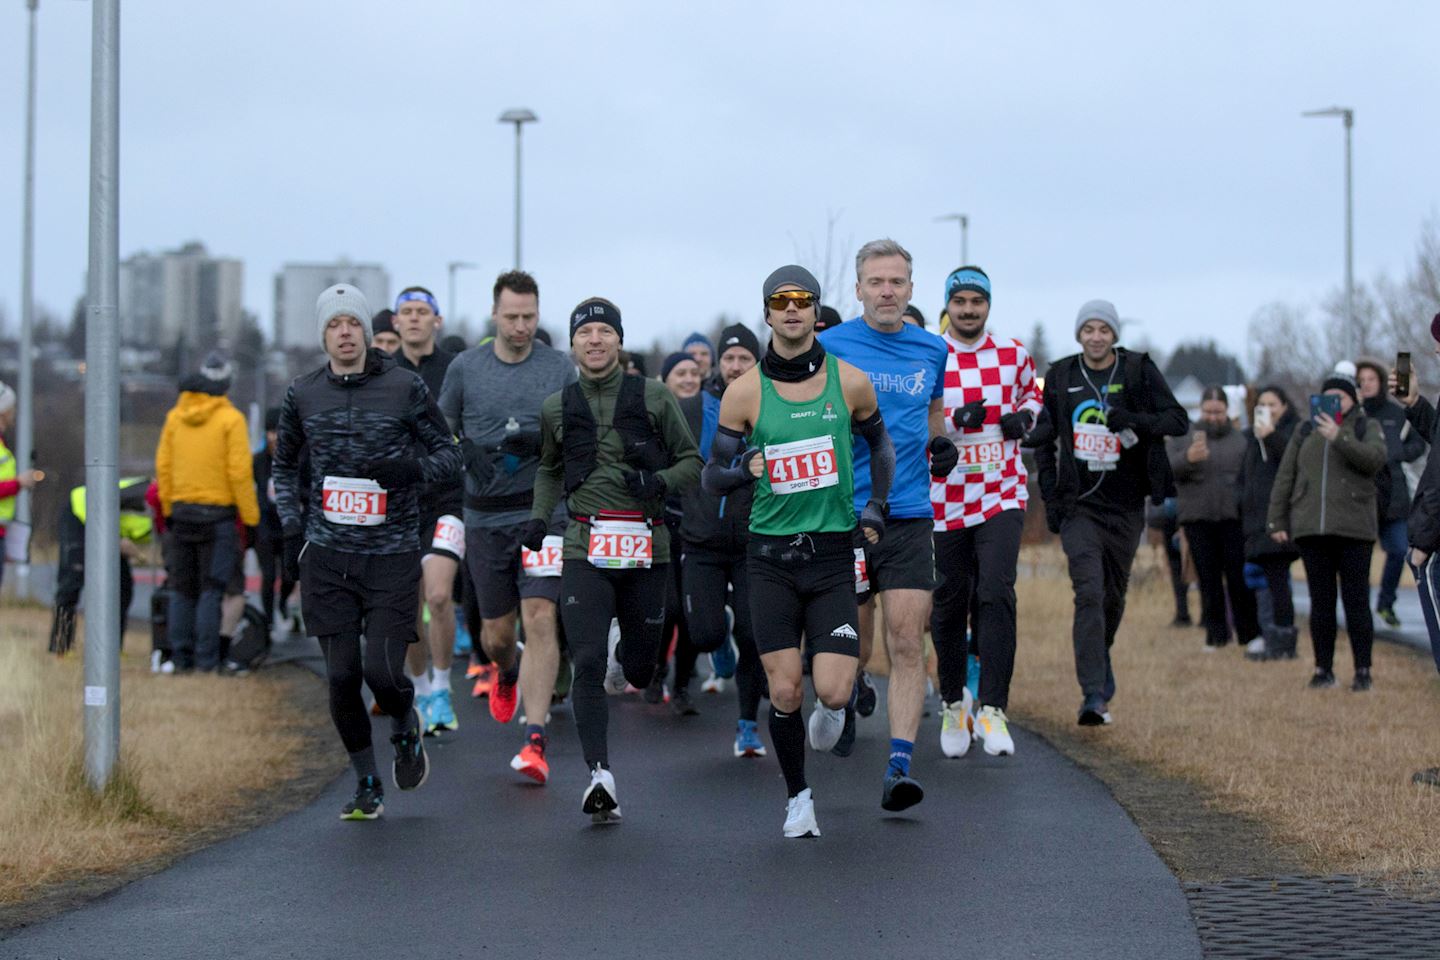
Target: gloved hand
294, 543
1118, 419
873, 518
393, 474
252, 537
521, 444
969, 417
478, 463
1015, 425
645, 485
747, 463
532, 536
1054, 516
943, 456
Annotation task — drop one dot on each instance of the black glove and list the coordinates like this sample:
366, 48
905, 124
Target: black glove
478, 463
943, 456
252, 537
873, 518
969, 417
1118, 419
645, 485
521, 444
1054, 517
393, 474
1013, 426
746, 459
294, 543
532, 536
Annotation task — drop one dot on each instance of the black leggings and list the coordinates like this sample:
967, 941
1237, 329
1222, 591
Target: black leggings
1218, 549
1277, 580
591, 597
269, 547
676, 625
706, 577
1327, 559
383, 672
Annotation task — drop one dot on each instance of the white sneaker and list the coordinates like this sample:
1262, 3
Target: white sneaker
800, 816
600, 801
826, 725
1255, 648
954, 729
615, 682
994, 732
713, 684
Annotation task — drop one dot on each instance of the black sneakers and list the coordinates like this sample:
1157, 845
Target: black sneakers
866, 700
412, 764
1322, 680
368, 802
846, 744
1362, 680
901, 793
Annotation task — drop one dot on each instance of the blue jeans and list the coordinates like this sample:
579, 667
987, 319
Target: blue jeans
203, 559
1426, 581
1394, 540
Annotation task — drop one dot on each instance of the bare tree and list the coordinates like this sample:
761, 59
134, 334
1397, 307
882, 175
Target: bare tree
832, 264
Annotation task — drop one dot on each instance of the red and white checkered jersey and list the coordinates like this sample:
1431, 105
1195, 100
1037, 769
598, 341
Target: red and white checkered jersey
990, 477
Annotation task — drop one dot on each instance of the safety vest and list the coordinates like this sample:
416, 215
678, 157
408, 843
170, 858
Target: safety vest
135, 523
7, 472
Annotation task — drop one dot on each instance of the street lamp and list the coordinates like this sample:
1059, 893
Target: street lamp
964, 234
519, 118
451, 267
1347, 116
24, 430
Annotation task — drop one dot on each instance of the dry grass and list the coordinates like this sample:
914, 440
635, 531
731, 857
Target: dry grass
1327, 772
196, 752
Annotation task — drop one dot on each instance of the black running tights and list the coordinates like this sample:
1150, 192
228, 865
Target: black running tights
383, 671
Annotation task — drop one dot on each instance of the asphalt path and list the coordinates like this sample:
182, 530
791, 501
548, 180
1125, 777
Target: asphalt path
1025, 856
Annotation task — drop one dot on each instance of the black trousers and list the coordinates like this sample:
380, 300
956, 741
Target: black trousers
1277, 580
589, 598
1100, 544
70, 581
1331, 559
708, 577
269, 550
1176, 563
676, 625
978, 561
1218, 549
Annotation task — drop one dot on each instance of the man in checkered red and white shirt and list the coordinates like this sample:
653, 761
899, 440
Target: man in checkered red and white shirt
991, 401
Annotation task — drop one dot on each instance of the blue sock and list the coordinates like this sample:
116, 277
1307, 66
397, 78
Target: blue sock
900, 752
534, 730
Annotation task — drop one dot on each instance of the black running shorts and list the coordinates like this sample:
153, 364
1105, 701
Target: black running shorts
904, 559
803, 587
374, 594
492, 555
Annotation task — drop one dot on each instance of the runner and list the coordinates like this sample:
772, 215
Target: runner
906, 366
798, 410
612, 446
681, 376
716, 531
991, 400
1099, 448
492, 398
417, 321
354, 551
383, 335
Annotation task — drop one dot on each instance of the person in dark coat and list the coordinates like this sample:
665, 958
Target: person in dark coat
1265, 442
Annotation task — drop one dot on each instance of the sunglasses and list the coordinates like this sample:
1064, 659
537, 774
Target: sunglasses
801, 299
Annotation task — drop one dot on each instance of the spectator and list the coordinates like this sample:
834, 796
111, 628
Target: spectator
1161, 518
203, 468
1265, 442
1207, 470
827, 318
136, 528
12, 479
1403, 445
1323, 501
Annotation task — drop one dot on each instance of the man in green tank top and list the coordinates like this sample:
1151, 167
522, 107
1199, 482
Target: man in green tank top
787, 426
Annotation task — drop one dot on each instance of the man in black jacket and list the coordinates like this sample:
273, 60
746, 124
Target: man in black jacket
361, 416
1100, 452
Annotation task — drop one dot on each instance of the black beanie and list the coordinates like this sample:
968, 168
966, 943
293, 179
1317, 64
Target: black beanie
827, 318
382, 322
1338, 381
596, 310
673, 361
739, 335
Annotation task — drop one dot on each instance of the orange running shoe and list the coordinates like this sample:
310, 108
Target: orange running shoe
484, 681
473, 670
502, 699
530, 761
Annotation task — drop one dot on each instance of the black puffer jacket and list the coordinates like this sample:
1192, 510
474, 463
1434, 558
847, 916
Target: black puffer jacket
349, 421
1257, 477
1403, 443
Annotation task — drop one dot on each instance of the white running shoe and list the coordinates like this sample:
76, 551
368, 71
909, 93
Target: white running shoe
1255, 649
800, 816
954, 729
994, 732
826, 725
615, 682
600, 801
713, 684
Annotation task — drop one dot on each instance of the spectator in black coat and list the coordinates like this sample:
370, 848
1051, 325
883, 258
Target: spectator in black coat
1403, 444
1274, 421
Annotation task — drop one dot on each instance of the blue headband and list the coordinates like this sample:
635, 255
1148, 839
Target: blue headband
967, 278
417, 295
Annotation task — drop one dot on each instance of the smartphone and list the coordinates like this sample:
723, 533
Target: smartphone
1326, 403
1402, 373
1262, 416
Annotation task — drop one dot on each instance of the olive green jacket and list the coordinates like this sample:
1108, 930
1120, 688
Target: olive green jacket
1328, 487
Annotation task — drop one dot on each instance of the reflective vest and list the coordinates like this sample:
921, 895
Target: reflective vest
7, 472
135, 523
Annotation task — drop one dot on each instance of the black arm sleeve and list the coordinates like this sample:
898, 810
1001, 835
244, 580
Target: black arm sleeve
727, 469
882, 456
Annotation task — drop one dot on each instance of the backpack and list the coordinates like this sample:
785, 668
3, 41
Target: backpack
250, 643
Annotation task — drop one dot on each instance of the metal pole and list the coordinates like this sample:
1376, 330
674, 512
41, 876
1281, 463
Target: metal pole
102, 405
450, 310
1349, 118
517, 194
964, 240
25, 429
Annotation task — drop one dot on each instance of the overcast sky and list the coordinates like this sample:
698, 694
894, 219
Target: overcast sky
1148, 153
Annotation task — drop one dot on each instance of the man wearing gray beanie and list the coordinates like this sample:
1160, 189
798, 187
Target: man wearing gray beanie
343, 299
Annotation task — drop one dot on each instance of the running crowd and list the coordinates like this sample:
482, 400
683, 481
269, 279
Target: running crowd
755, 504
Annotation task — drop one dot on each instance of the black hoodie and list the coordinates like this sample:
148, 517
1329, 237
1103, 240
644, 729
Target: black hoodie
1257, 477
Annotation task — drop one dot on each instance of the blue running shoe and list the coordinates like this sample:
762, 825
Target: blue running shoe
972, 677
725, 660
442, 713
747, 740
463, 643
423, 705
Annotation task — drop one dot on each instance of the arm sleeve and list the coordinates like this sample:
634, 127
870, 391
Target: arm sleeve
550, 477
1278, 516
684, 470
241, 471
452, 397
442, 463
724, 471
289, 440
164, 464
882, 456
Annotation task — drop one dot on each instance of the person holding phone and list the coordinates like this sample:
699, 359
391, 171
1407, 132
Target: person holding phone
1274, 421
1323, 502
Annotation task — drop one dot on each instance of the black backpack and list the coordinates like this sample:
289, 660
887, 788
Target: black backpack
250, 643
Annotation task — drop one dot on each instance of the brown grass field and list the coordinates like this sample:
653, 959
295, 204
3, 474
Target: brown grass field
196, 752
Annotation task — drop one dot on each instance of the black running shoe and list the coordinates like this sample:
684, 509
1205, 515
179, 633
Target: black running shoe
901, 793
368, 802
412, 763
680, 702
1362, 680
1322, 680
846, 744
865, 702
655, 692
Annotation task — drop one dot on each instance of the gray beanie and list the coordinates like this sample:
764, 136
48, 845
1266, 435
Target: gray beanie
792, 274
1102, 310
343, 299
7, 398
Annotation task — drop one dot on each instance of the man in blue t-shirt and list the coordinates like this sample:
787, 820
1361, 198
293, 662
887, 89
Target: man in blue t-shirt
907, 367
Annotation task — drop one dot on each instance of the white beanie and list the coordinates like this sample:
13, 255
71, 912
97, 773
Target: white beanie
1102, 310
7, 398
345, 299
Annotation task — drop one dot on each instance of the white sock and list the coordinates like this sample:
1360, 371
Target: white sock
421, 682
439, 680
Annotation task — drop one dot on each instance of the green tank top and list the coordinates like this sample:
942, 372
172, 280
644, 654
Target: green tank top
809, 480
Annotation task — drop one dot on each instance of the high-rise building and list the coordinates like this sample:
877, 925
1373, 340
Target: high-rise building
299, 285
180, 293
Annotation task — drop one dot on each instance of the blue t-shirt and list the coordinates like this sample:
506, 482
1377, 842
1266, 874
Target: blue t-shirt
907, 368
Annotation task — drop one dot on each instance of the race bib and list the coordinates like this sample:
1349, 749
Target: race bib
862, 572
449, 535
801, 465
620, 544
544, 562
981, 452
353, 501
1096, 446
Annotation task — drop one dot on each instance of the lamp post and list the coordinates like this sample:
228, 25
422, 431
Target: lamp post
964, 222
1347, 116
450, 268
519, 118
24, 430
